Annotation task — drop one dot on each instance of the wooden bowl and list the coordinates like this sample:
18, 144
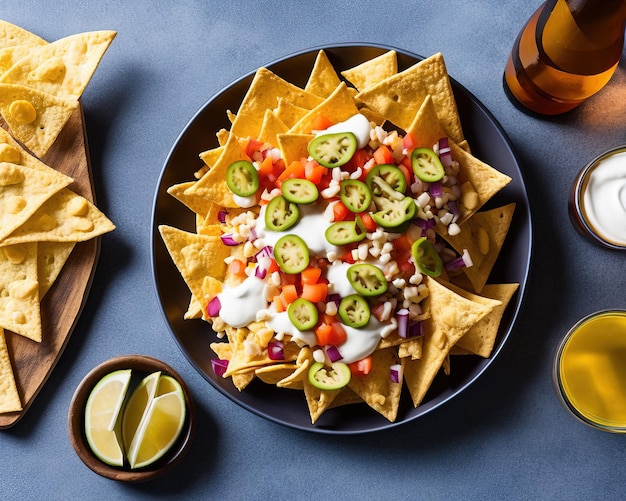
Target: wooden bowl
141, 365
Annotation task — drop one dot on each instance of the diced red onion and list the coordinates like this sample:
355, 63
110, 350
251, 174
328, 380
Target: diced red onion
416, 330
436, 189
454, 210
275, 350
266, 251
395, 371
260, 272
252, 236
335, 298
221, 216
333, 353
214, 307
228, 239
463, 261
402, 316
425, 224
444, 152
467, 259
219, 366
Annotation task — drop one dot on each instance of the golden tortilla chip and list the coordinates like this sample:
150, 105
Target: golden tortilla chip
481, 337
195, 203
482, 236
294, 147
210, 157
224, 351
196, 257
377, 388
337, 107
64, 217
399, 97
62, 68
12, 35
271, 127
24, 190
372, 71
263, 94
9, 396
452, 316
34, 117
51, 257
288, 113
19, 291
318, 401
212, 186
425, 127
323, 79
345, 397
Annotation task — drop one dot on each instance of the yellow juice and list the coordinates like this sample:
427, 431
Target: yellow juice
590, 370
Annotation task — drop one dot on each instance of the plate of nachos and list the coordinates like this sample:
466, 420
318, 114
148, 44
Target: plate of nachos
341, 239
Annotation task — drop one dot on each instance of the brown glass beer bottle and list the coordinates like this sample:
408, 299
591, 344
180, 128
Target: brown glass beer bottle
567, 51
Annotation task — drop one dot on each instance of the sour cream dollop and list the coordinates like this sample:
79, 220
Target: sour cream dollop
604, 199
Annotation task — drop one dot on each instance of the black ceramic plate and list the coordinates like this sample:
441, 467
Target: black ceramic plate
288, 407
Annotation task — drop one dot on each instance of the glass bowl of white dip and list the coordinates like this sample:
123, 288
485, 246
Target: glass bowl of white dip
597, 204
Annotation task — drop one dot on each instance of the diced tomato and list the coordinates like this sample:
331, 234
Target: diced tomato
340, 211
294, 170
315, 292
377, 311
310, 276
267, 167
273, 266
278, 304
406, 171
402, 244
252, 146
359, 159
320, 122
361, 367
383, 155
289, 293
368, 223
314, 172
346, 258
237, 267
409, 141
333, 334
405, 263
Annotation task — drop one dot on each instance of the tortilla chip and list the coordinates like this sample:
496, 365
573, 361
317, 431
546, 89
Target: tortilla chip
64, 217
337, 107
399, 97
62, 68
376, 388
210, 157
318, 400
346, 397
34, 117
452, 316
51, 257
426, 128
481, 337
12, 35
196, 257
288, 113
19, 291
293, 147
24, 190
212, 186
490, 227
373, 71
224, 351
263, 93
9, 396
271, 127
323, 79
195, 203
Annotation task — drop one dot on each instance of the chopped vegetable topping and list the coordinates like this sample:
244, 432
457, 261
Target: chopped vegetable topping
242, 178
333, 150
291, 254
329, 378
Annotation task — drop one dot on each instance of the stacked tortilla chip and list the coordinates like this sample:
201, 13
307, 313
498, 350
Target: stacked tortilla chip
462, 312
41, 218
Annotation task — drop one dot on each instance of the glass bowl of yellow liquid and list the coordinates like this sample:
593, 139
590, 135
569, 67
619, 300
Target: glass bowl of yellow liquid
590, 370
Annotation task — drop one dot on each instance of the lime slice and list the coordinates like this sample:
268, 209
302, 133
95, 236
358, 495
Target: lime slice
137, 405
101, 416
161, 424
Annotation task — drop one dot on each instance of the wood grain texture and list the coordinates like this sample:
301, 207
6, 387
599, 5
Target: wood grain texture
33, 362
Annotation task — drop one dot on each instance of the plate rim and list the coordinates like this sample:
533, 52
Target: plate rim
515, 306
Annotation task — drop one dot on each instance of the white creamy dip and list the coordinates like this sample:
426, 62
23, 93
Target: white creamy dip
240, 304
604, 199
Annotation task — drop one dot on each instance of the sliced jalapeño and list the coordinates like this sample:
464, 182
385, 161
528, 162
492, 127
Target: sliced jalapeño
354, 311
291, 254
393, 213
391, 174
355, 195
367, 279
329, 378
334, 149
281, 214
345, 232
426, 257
426, 165
299, 191
242, 178
303, 314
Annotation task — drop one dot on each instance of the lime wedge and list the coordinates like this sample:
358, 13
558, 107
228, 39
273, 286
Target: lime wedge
101, 416
137, 405
160, 426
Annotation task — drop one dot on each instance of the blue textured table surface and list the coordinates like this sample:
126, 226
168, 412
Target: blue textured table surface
506, 437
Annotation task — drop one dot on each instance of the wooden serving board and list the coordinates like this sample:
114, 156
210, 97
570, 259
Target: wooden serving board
33, 362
